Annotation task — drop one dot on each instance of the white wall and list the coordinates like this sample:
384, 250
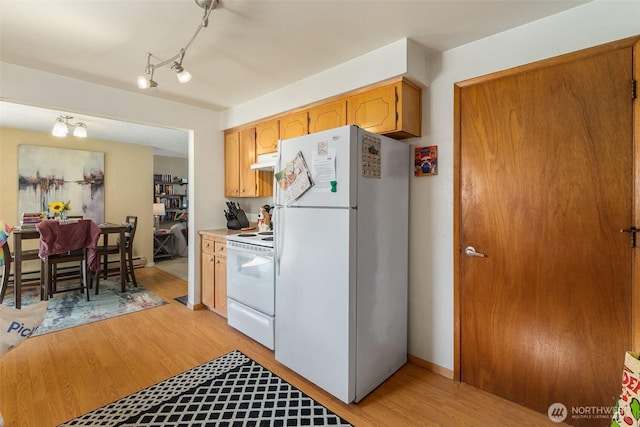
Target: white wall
431, 210
206, 150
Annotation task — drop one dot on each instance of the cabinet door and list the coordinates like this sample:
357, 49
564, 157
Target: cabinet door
409, 111
328, 116
247, 158
207, 279
220, 274
293, 125
231, 164
374, 110
267, 135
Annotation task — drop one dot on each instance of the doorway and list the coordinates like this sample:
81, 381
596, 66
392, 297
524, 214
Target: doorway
545, 183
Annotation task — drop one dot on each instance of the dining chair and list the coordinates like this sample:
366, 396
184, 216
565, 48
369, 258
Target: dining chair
131, 224
62, 242
6, 270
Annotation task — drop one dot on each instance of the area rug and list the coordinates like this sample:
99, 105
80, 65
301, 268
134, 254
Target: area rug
70, 309
232, 390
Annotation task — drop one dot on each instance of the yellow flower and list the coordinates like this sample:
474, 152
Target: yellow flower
57, 207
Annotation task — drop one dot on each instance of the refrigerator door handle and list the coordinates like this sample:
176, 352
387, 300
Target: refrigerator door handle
277, 246
277, 211
277, 168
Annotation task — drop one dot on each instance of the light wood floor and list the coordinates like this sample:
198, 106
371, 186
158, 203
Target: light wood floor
52, 378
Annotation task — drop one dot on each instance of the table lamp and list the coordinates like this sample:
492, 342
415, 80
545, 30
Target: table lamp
158, 211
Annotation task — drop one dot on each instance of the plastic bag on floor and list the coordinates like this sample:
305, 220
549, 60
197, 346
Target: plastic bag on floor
18, 325
626, 413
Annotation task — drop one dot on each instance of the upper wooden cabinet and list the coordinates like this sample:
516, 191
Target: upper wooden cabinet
239, 154
232, 164
267, 136
295, 124
393, 110
328, 116
248, 178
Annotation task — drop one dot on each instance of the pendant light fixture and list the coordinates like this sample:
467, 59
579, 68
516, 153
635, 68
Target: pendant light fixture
146, 81
61, 127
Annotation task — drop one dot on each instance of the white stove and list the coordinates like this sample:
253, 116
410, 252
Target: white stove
262, 238
251, 285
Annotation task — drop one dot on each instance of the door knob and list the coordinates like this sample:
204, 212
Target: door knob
471, 251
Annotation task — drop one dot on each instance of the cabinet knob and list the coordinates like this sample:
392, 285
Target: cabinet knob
218, 262
274, 146
210, 259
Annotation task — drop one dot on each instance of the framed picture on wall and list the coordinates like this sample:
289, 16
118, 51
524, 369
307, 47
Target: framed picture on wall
47, 174
426, 161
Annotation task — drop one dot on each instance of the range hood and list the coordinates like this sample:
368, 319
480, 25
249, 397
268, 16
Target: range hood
266, 161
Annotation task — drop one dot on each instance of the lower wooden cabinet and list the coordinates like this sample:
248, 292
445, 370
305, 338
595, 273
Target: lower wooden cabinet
213, 273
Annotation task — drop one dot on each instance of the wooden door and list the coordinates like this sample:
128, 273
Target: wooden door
328, 116
545, 187
231, 164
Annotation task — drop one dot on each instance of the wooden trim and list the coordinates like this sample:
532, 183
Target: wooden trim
195, 307
436, 369
456, 233
556, 60
635, 275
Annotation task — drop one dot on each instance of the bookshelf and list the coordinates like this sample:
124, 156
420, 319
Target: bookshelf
172, 191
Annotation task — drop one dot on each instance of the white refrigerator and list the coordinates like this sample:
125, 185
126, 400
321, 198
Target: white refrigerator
341, 249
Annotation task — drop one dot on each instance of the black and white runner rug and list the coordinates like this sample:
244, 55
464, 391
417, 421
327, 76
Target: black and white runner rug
232, 390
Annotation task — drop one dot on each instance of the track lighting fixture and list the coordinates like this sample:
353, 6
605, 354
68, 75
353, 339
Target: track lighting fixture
61, 127
146, 81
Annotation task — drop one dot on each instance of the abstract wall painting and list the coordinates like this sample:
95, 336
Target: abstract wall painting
47, 174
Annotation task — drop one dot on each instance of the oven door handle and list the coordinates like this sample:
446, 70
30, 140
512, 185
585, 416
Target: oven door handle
266, 254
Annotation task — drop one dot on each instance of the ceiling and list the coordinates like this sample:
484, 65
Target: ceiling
249, 48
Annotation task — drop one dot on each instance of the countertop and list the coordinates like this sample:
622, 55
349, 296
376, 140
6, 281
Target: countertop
224, 232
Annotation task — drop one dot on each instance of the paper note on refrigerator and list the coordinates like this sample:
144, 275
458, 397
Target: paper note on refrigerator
323, 167
294, 180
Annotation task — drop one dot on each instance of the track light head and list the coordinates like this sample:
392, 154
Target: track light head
182, 74
146, 83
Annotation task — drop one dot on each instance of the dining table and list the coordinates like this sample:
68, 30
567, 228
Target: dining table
21, 233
